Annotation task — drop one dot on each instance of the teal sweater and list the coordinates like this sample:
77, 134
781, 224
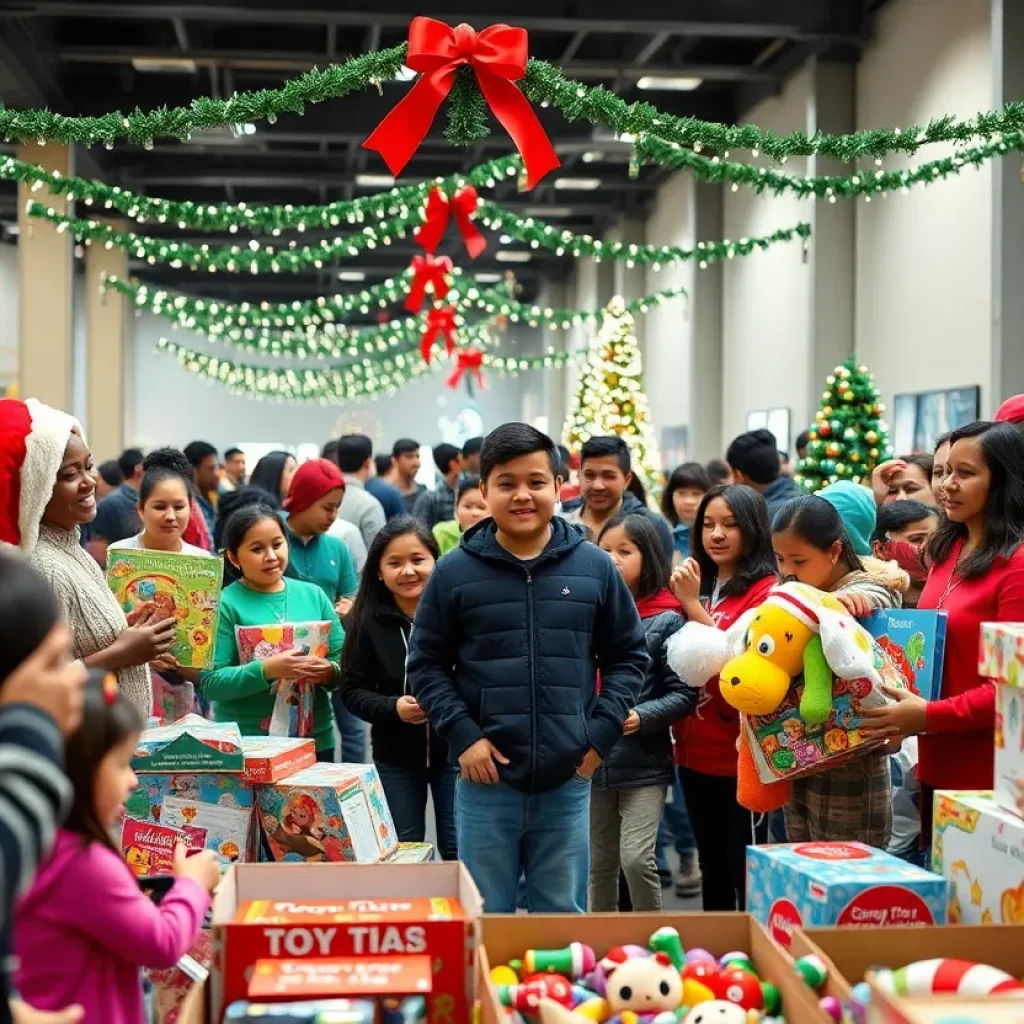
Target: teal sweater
241, 693
323, 560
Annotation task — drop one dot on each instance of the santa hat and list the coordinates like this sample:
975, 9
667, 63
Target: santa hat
33, 438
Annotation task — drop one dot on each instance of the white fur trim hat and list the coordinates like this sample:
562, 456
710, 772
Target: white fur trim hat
33, 438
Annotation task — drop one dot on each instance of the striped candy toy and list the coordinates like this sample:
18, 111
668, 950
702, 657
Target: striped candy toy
962, 977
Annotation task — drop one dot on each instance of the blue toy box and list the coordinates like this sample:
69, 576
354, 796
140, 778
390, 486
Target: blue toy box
815, 885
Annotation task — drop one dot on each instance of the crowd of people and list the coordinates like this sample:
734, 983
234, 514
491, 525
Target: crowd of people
507, 634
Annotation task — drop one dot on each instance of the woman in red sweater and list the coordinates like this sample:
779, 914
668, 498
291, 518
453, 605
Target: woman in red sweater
731, 571
976, 576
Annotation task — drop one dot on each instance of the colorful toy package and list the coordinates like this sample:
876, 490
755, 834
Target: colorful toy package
341, 976
915, 640
334, 812
1001, 655
192, 744
412, 853
823, 884
979, 847
1009, 766
293, 701
221, 804
149, 848
270, 758
185, 587
172, 985
784, 746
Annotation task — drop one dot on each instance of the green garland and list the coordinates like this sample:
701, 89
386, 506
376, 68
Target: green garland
331, 384
831, 187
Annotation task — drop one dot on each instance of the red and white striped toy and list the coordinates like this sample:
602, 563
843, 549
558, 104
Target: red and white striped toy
959, 977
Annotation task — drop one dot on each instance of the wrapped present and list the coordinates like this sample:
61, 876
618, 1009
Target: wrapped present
915, 641
192, 744
1001, 655
1009, 748
184, 587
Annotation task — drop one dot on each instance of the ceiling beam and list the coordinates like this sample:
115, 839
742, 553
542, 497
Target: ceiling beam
791, 19
570, 51
651, 47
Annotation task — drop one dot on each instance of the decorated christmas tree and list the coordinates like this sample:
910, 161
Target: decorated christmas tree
610, 399
849, 437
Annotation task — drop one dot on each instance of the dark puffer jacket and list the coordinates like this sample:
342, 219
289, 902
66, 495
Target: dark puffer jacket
508, 650
645, 757
371, 688
630, 504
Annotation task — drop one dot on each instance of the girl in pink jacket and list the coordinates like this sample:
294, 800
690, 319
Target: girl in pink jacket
85, 928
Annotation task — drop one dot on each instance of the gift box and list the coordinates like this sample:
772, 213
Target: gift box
816, 884
915, 641
184, 587
271, 758
192, 744
1001, 655
1009, 743
330, 812
317, 912
412, 853
149, 848
979, 847
784, 746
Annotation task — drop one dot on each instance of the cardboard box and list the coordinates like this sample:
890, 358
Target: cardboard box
1009, 766
192, 744
412, 853
945, 1011
814, 884
1001, 653
383, 924
507, 937
149, 848
345, 977
979, 847
334, 812
272, 758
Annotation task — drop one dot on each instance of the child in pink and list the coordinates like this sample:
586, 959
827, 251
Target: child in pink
84, 929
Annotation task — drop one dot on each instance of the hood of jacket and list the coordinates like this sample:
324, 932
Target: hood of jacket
482, 542
883, 574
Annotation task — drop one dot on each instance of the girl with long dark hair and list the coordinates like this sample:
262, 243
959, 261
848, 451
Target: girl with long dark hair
410, 757
731, 570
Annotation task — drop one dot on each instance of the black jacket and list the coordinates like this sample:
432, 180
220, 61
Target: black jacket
631, 503
371, 688
508, 650
645, 758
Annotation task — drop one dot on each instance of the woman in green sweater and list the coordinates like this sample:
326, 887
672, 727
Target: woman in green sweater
256, 545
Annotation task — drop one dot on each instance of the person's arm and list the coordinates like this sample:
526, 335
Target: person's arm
228, 680
358, 693
622, 658
34, 796
674, 698
336, 640
430, 667
868, 596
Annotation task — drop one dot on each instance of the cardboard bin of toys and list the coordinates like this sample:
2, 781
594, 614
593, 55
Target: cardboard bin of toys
565, 969
916, 969
321, 912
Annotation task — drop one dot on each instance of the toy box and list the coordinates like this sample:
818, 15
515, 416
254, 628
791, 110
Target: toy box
172, 986
334, 812
979, 847
185, 587
1009, 766
149, 848
271, 758
317, 911
351, 977
192, 744
1001, 654
412, 853
915, 640
220, 803
814, 884
785, 747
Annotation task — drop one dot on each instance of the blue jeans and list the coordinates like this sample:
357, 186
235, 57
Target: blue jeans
406, 790
353, 733
504, 833
675, 829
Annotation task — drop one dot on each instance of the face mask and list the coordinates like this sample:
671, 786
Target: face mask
908, 558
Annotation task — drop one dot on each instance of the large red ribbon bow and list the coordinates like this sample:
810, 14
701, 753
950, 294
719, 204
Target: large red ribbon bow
428, 272
435, 220
498, 55
439, 321
470, 359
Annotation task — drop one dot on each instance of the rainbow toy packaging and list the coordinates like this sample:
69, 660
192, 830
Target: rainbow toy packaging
820, 884
183, 587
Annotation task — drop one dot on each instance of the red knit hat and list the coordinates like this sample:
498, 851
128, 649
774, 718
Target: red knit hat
312, 480
33, 438
1011, 411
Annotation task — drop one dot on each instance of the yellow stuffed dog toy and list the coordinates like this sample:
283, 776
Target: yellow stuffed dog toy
797, 633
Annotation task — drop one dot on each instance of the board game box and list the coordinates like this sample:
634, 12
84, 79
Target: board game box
149, 848
184, 587
192, 744
915, 640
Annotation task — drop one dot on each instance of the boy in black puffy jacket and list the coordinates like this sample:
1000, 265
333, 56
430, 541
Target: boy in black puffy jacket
508, 639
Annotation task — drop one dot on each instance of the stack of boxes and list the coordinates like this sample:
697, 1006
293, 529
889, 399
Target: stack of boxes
978, 841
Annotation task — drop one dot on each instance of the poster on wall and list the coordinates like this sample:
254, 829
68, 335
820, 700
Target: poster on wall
920, 417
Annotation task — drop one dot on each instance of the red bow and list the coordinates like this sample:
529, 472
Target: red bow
435, 220
470, 359
439, 321
428, 271
498, 55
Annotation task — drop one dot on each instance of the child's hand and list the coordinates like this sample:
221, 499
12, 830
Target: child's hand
343, 606
685, 581
409, 710
284, 665
22, 1013
200, 867
907, 717
316, 670
477, 762
856, 604
632, 724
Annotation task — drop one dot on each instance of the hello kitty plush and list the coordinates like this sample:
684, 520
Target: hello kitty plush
641, 988
718, 1011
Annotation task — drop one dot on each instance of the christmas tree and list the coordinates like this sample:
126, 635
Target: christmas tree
848, 438
610, 399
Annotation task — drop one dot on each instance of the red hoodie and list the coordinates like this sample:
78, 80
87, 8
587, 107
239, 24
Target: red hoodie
658, 602
706, 740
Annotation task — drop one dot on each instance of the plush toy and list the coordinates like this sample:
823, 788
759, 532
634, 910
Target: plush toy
640, 988
797, 632
717, 1011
